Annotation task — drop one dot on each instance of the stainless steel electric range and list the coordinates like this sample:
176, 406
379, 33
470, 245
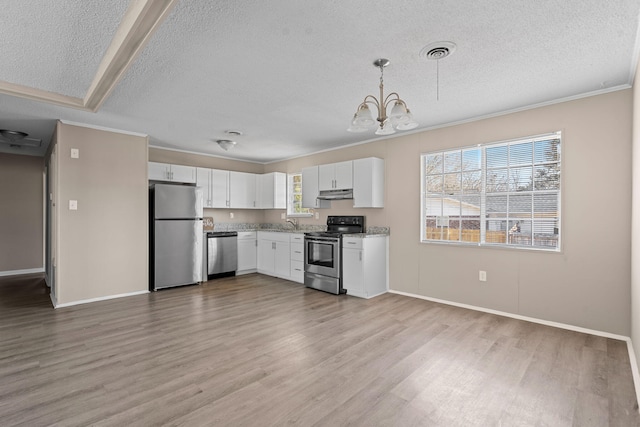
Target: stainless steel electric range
323, 253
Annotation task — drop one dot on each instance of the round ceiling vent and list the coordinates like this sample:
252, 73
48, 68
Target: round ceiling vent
437, 50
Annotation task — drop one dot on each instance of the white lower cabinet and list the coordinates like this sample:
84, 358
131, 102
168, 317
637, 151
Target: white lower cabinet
247, 252
274, 257
364, 266
297, 257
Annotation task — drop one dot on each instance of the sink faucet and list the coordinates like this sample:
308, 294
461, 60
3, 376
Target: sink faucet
293, 222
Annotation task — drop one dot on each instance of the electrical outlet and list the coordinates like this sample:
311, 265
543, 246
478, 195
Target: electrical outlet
75, 153
73, 205
317, 215
482, 276
231, 215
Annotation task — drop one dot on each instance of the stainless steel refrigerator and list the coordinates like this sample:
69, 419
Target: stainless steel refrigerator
176, 236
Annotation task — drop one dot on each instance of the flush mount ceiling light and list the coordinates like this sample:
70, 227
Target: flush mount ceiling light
13, 135
226, 144
399, 117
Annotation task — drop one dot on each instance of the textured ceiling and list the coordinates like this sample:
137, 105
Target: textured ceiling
289, 74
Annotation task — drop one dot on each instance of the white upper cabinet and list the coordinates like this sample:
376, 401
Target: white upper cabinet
242, 190
159, 171
335, 176
203, 180
219, 188
368, 183
215, 187
181, 173
310, 190
271, 190
171, 173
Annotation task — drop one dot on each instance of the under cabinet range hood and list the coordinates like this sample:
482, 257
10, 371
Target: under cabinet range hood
336, 194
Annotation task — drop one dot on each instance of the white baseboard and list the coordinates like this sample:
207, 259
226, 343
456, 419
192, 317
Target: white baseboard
632, 356
54, 301
108, 297
634, 368
519, 317
20, 272
240, 273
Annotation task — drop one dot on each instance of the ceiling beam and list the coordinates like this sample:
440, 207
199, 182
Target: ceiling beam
40, 95
140, 21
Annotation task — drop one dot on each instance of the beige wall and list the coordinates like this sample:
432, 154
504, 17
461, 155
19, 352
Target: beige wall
188, 159
21, 213
103, 246
635, 225
587, 285
374, 217
218, 215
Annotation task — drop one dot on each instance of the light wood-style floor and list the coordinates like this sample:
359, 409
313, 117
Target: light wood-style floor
258, 351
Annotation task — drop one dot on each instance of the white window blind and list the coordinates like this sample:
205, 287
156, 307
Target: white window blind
505, 194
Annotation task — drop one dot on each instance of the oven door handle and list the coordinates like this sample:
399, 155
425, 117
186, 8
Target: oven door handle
321, 239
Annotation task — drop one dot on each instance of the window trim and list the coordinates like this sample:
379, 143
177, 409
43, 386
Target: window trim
559, 249
290, 195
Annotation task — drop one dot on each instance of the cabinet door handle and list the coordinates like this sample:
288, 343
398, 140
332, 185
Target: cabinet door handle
360, 255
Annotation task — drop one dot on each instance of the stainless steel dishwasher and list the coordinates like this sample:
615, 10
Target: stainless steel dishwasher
222, 254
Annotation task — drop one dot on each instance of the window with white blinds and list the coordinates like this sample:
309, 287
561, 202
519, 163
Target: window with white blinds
501, 194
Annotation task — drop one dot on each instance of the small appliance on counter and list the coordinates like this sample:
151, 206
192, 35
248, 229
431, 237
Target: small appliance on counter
323, 253
175, 236
222, 254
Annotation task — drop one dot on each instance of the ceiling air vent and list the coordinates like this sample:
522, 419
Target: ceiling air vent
437, 50
17, 139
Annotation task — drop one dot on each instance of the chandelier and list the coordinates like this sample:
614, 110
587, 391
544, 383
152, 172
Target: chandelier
399, 117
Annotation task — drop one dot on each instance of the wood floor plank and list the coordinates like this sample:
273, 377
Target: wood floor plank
255, 350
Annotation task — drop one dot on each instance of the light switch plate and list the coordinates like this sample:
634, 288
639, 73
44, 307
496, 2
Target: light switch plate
73, 205
75, 153
317, 215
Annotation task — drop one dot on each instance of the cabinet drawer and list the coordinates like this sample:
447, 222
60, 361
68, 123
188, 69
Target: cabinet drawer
352, 242
246, 235
273, 236
297, 271
297, 252
297, 238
